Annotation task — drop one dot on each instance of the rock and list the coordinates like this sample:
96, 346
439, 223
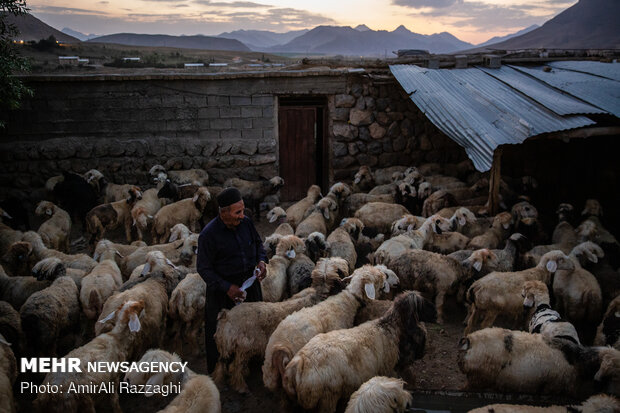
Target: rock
394, 130
357, 90
340, 114
340, 149
370, 103
343, 130
353, 149
359, 117
364, 133
360, 103
249, 147
365, 159
343, 162
376, 131
382, 118
344, 101
374, 148
399, 144
268, 146
406, 127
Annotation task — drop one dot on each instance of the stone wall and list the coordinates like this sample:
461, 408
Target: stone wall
226, 124
376, 124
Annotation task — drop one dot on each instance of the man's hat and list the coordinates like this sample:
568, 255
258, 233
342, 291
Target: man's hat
228, 197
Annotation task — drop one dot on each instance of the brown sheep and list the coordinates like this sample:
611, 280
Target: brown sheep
601, 403
380, 215
380, 395
495, 236
186, 211
341, 240
111, 215
254, 192
608, 333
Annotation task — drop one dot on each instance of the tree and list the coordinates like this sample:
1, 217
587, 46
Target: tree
12, 90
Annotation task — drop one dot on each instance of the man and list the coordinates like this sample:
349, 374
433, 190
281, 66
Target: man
229, 249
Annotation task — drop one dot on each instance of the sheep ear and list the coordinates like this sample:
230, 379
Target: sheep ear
552, 266
108, 318
173, 237
273, 219
96, 256
195, 198
156, 380
370, 290
506, 225
386, 286
48, 211
146, 269
326, 213
134, 323
357, 180
462, 221
592, 257
3, 341
6, 215
410, 228
119, 254
478, 265
464, 343
528, 302
617, 314
291, 254
149, 216
170, 263
134, 223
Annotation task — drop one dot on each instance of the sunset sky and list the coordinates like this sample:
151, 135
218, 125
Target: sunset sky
473, 21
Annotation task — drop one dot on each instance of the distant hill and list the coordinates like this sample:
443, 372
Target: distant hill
31, 28
589, 24
78, 35
163, 40
498, 39
262, 39
337, 40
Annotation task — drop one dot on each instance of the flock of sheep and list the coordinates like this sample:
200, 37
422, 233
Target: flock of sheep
352, 278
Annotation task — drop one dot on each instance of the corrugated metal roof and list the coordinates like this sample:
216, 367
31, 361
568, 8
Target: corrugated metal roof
557, 101
478, 111
598, 91
608, 70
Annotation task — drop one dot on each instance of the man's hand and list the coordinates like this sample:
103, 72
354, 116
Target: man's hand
263, 271
235, 294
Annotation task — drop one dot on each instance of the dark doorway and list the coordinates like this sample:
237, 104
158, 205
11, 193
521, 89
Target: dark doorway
303, 152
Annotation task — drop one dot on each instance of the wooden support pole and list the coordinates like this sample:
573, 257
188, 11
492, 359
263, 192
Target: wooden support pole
494, 180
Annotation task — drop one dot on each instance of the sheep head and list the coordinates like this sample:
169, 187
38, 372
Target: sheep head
407, 190
587, 230
49, 269
155, 260
524, 212
353, 226
608, 374
168, 190
276, 214
316, 245
587, 251
424, 190
276, 183
45, 208
397, 176
413, 177
328, 207
390, 276
564, 212
270, 244
366, 281
17, 259
140, 217
289, 246
201, 198
534, 293
179, 231
556, 260
314, 193
478, 259
330, 273
503, 220
340, 191
592, 208
127, 314
462, 216
189, 249
156, 170
440, 224
135, 194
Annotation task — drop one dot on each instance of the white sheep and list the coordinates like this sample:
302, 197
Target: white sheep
380, 215
171, 250
243, 331
359, 199
274, 285
49, 315
334, 313
296, 212
198, 392
114, 346
510, 361
341, 240
186, 307
498, 293
56, 230
278, 215
601, 403
380, 395
144, 210
100, 284
322, 213
333, 365
187, 176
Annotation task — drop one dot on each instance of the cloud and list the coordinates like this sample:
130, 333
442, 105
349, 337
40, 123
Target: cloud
234, 4
478, 14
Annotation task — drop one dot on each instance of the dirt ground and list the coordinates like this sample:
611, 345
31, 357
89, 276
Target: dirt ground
435, 373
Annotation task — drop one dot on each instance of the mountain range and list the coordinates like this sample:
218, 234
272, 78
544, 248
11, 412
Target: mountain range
587, 24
